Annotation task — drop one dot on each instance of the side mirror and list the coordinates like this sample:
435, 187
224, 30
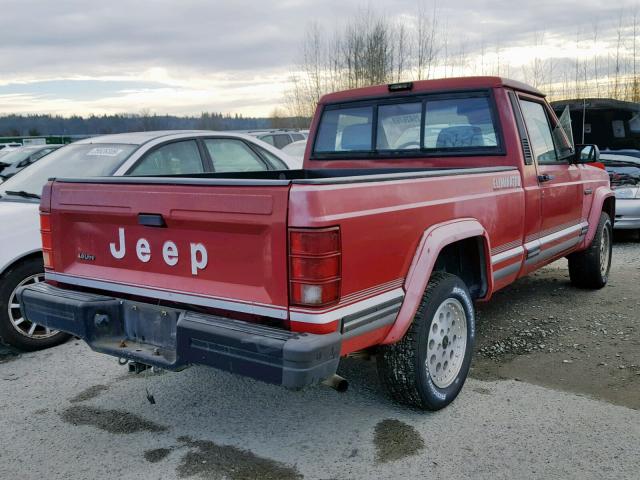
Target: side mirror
586, 154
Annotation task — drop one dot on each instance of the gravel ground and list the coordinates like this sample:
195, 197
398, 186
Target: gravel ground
71, 413
542, 330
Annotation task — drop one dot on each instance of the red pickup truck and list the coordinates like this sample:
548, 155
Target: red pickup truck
416, 200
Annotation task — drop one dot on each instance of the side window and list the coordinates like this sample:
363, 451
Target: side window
297, 137
268, 139
271, 158
281, 140
345, 129
399, 126
459, 123
229, 155
540, 135
38, 155
171, 159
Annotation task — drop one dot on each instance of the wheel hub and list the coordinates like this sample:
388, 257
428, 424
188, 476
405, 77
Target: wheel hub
22, 325
447, 343
604, 252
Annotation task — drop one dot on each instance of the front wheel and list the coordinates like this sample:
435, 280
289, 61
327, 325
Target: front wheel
15, 330
590, 268
429, 365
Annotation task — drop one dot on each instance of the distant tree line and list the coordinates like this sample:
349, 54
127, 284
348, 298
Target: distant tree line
372, 48
35, 125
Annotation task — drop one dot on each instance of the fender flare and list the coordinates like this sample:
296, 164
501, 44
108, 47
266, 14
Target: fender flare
599, 197
433, 240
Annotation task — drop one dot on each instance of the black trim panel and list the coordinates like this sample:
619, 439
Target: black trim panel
288, 177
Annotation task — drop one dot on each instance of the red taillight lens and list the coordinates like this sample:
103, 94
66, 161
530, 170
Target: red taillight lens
303, 268
314, 266
314, 242
47, 244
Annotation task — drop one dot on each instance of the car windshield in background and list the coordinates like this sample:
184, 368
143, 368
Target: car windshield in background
624, 171
609, 159
16, 156
449, 125
79, 160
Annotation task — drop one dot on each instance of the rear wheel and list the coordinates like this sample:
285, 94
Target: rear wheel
15, 330
429, 365
590, 268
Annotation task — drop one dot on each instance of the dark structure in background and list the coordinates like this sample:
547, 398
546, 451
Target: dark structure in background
610, 124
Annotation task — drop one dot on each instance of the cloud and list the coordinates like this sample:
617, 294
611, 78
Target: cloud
79, 56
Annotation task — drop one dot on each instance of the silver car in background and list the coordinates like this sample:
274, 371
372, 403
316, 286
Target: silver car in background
624, 173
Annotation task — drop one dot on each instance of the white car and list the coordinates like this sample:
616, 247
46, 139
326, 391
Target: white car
279, 138
136, 154
296, 149
6, 148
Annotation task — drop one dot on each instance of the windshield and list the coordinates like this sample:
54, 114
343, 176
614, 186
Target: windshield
79, 160
612, 159
16, 156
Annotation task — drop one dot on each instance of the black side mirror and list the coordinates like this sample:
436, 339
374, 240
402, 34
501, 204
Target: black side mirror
586, 154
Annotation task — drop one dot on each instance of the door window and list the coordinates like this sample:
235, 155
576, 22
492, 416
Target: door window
281, 140
539, 130
276, 163
268, 139
230, 155
176, 158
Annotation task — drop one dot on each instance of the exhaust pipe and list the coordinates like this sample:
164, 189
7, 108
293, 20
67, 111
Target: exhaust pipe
336, 382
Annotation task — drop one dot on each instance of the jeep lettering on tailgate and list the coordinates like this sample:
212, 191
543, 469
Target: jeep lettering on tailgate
170, 253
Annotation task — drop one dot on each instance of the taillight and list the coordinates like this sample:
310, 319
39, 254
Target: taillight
314, 266
47, 244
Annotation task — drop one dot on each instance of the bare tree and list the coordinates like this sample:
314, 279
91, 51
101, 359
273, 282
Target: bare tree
426, 48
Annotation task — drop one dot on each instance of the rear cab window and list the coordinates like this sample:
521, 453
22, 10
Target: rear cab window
432, 124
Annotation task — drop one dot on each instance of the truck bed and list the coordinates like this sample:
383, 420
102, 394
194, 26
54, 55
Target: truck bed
242, 221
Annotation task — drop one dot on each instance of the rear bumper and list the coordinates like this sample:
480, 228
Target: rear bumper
172, 339
627, 214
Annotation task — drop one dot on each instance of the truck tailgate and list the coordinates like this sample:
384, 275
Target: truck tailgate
211, 245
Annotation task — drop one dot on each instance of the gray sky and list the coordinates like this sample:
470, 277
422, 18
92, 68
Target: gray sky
188, 56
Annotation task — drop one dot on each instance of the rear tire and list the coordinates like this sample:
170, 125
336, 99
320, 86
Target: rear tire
590, 268
14, 330
427, 368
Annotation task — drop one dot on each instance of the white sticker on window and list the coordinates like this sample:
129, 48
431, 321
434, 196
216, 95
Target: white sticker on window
104, 152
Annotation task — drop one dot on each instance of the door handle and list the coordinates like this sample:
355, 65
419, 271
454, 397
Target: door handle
588, 191
151, 220
545, 178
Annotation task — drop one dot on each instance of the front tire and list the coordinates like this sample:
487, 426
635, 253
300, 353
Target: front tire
590, 268
15, 330
429, 365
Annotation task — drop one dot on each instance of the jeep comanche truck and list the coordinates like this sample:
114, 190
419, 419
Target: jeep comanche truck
415, 201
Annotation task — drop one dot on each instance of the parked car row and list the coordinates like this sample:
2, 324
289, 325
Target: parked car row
279, 138
17, 159
128, 154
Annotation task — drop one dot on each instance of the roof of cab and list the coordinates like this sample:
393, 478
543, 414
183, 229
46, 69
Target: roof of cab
426, 86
